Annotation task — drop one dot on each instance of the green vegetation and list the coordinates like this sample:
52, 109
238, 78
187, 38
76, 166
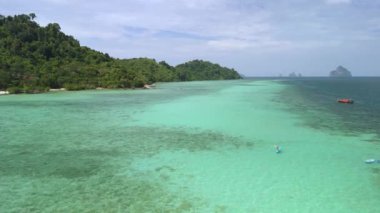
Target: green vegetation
34, 59
202, 70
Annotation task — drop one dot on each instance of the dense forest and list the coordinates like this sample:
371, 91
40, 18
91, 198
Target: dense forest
35, 59
199, 70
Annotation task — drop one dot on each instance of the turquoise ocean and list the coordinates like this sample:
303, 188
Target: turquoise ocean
194, 147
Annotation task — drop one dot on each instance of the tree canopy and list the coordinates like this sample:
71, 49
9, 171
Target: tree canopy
203, 70
35, 58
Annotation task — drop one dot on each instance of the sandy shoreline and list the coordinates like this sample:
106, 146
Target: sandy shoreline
4, 93
146, 86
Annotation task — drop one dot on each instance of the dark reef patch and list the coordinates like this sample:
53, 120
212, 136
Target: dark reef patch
90, 171
36, 163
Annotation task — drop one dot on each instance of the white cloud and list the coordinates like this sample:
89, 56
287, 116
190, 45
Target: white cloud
228, 44
338, 1
204, 19
262, 45
57, 1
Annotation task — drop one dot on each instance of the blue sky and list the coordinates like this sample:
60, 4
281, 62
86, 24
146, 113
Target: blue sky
256, 37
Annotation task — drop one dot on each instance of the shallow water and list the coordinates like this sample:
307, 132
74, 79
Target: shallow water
183, 147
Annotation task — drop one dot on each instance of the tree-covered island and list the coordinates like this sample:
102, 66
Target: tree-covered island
36, 59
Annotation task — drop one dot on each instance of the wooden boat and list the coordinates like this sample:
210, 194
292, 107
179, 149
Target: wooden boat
345, 101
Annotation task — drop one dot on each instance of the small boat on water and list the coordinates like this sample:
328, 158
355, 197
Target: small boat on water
345, 101
369, 161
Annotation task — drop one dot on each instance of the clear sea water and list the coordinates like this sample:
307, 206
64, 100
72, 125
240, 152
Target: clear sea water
194, 147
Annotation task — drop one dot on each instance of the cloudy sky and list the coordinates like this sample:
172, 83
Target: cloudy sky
256, 37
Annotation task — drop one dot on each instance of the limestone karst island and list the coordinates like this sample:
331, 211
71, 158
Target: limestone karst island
340, 71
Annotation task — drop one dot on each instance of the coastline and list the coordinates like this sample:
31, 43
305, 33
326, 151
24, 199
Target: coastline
146, 86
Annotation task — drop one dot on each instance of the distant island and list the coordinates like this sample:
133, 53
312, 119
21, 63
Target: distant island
35, 59
294, 75
340, 71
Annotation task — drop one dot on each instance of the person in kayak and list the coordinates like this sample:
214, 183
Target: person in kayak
277, 148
